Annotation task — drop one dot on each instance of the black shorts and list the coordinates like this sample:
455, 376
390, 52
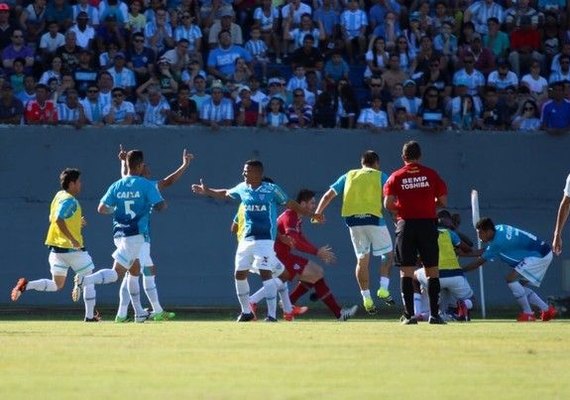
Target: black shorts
416, 238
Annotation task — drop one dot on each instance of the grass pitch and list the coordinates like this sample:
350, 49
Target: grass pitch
306, 359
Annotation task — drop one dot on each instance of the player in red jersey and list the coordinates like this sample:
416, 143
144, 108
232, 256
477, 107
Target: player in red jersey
414, 192
41, 111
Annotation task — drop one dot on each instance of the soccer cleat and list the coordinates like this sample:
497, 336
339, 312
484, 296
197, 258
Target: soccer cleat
77, 288
524, 317
288, 316
121, 320
246, 317
96, 318
369, 306
384, 295
253, 308
548, 314
462, 311
436, 320
347, 313
300, 310
139, 319
408, 321
163, 316
19, 289
270, 319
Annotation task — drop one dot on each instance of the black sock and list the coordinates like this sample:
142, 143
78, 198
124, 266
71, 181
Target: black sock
433, 294
408, 295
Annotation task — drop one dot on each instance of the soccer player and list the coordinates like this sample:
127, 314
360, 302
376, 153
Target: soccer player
362, 209
259, 200
526, 254
561, 218
129, 200
414, 192
310, 274
64, 239
145, 261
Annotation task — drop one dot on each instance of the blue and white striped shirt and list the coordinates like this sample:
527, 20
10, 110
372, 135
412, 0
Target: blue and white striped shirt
481, 12
192, 34
296, 83
217, 113
154, 115
93, 111
257, 48
353, 21
66, 115
266, 22
123, 79
379, 119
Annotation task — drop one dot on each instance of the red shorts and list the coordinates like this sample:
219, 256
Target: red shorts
295, 265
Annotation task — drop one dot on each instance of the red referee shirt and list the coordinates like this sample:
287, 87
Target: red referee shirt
416, 188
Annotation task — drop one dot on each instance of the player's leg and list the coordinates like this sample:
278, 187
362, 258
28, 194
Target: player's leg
148, 270
58, 269
382, 247
514, 284
263, 256
314, 274
428, 250
460, 288
361, 245
82, 264
533, 269
124, 300
405, 257
134, 287
421, 301
243, 261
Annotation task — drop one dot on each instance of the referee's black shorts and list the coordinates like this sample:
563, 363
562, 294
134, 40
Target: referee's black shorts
416, 238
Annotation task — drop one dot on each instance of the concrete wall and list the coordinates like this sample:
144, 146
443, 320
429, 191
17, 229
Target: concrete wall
519, 178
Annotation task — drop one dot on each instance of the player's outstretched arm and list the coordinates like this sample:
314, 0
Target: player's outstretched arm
105, 209
561, 219
123, 158
174, 176
293, 205
60, 222
160, 206
323, 204
474, 264
203, 190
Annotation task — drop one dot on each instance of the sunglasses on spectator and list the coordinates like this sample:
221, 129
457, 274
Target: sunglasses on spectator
93, 91
118, 95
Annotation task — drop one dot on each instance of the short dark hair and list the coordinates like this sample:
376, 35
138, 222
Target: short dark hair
255, 164
134, 158
369, 158
411, 151
485, 224
305, 195
67, 176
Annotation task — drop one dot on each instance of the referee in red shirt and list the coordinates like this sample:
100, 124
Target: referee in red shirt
414, 192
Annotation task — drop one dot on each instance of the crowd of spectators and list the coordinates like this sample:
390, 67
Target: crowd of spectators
368, 64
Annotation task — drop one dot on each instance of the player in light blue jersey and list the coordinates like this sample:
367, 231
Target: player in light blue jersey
130, 200
260, 201
526, 254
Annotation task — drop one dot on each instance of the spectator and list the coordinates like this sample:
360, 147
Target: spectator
18, 49
555, 114
441, 17
93, 106
377, 12
307, 27
455, 104
389, 30
137, 20
431, 115
483, 57
409, 101
394, 73
258, 51
324, 114
105, 85
336, 69
119, 111
266, 18
158, 33
345, 105
111, 32
426, 54
376, 58
536, 83
71, 112
183, 110
11, 108
199, 95
33, 20
140, 59
178, 58
54, 72
275, 115
328, 16
67, 82
479, 13
221, 61
376, 88
525, 47
191, 72
218, 110
256, 94
300, 113
41, 111
474, 79
247, 111
407, 55
510, 102
308, 56
353, 25
122, 76
293, 12
446, 43
225, 24
529, 119
551, 35
555, 66
373, 118
155, 107
85, 73
92, 13
413, 33
298, 80
496, 40
107, 58
61, 12
436, 77
50, 41
69, 52
515, 14
465, 118
17, 76
401, 122
276, 88
115, 8
29, 92
564, 73
168, 84
493, 116
6, 27
502, 77
191, 32
84, 33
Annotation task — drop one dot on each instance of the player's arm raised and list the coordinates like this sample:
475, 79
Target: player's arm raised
203, 190
173, 177
561, 218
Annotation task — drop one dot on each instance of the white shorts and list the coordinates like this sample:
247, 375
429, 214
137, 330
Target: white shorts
458, 286
128, 250
79, 261
276, 271
145, 259
366, 236
533, 269
256, 255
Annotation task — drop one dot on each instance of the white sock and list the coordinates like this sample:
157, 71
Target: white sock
520, 296
418, 303
257, 296
468, 303
242, 291
149, 285
365, 294
124, 298
42, 285
283, 291
135, 294
101, 277
89, 298
384, 282
535, 300
271, 297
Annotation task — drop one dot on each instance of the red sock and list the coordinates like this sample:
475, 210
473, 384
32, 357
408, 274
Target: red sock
299, 291
326, 296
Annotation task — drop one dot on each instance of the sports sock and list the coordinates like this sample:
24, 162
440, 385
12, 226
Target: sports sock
418, 303
149, 285
89, 298
257, 296
384, 282
124, 298
101, 277
270, 297
325, 295
433, 294
520, 296
535, 299
365, 294
242, 291
42, 285
135, 294
300, 290
283, 292
468, 303
407, 295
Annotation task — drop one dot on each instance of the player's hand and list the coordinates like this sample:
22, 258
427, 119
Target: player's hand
557, 245
288, 240
122, 153
75, 244
83, 222
201, 188
326, 254
186, 157
318, 219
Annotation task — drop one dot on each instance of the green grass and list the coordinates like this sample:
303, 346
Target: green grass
306, 359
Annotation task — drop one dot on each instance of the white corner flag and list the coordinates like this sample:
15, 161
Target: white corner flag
475, 218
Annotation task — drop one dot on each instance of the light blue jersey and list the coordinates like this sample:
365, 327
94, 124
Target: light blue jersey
260, 207
67, 208
512, 245
132, 197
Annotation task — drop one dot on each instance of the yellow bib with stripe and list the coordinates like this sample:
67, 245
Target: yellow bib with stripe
362, 193
447, 257
55, 236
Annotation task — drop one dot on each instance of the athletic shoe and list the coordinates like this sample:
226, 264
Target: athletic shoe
408, 321
288, 316
347, 313
121, 320
369, 306
253, 308
548, 314
19, 288
163, 316
524, 317
246, 317
462, 311
300, 310
270, 319
436, 320
384, 295
77, 288
139, 319
96, 318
